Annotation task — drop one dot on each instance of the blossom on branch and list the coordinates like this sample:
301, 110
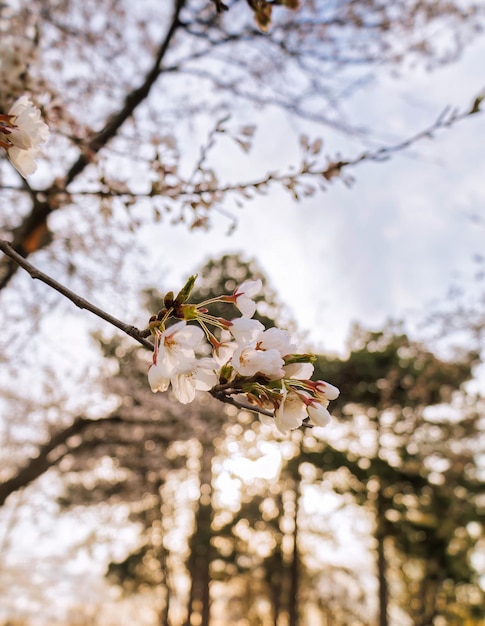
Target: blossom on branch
243, 296
22, 131
245, 331
318, 414
275, 338
290, 413
299, 370
174, 351
194, 375
248, 362
299, 403
159, 374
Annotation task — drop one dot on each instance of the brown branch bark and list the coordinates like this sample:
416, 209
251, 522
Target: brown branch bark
132, 100
49, 455
139, 335
80, 302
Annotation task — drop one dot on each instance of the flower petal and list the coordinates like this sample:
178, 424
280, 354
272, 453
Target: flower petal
301, 371
183, 387
328, 390
244, 294
319, 415
275, 338
159, 376
290, 414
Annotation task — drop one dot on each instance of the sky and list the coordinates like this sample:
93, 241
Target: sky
391, 245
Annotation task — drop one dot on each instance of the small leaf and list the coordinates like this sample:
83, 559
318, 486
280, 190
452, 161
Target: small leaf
184, 293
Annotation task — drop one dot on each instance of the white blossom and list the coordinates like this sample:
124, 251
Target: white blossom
246, 331
223, 353
278, 339
177, 343
22, 134
197, 374
159, 374
327, 390
318, 414
244, 294
301, 371
248, 361
272, 364
290, 413
295, 407
175, 352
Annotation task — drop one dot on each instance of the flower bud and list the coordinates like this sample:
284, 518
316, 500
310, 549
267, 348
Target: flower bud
328, 390
168, 300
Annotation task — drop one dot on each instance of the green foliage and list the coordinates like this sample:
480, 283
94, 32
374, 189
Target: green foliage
140, 569
386, 369
420, 476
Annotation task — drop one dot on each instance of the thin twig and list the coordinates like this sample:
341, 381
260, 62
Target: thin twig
332, 169
80, 302
220, 394
137, 334
132, 100
41, 210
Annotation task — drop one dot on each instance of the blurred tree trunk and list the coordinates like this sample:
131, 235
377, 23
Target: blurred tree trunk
380, 536
275, 583
293, 614
165, 612
200, 545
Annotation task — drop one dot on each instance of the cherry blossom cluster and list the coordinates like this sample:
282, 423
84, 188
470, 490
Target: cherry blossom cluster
22, 130
249, 363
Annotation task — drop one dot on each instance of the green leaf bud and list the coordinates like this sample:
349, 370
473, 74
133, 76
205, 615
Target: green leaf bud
184, 293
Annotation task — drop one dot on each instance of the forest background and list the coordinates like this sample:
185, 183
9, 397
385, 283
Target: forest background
305, 132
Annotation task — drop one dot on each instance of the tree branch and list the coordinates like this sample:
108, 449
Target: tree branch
188, 190
58, 446
132, 331
34, 224
48, 455
132, 100
221, 395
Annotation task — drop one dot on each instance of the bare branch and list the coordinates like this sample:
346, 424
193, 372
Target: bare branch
132, 100
36, 220
80, 302
222, 396
48, 455
188, 190
62, 443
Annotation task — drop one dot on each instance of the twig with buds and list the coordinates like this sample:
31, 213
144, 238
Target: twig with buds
251, 368
80, 302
